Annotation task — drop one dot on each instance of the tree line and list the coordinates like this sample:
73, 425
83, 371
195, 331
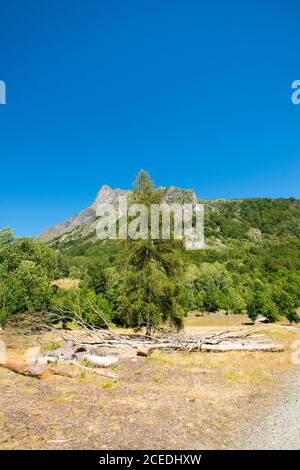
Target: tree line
251, 264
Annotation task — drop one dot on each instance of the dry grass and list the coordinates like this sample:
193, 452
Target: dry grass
213, 320
171, 400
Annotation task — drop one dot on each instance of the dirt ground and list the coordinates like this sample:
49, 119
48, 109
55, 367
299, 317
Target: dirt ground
168, 401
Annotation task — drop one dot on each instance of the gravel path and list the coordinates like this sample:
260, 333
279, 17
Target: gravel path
281, 428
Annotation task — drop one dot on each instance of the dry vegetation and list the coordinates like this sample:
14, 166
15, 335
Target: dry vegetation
170, 400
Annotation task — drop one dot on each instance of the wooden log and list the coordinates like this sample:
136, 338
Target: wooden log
101, 361
223, 347
144, 352
22, 368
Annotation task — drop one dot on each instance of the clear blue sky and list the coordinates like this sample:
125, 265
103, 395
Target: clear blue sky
198, 93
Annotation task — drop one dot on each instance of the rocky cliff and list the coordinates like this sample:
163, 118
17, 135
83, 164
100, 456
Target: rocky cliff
84, 223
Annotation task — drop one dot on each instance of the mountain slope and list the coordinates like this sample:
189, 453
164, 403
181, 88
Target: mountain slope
237, 219
84, 223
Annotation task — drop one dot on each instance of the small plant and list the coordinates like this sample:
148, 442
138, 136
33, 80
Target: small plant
50, 346
87, 363
157, 378
83, 376
109, 384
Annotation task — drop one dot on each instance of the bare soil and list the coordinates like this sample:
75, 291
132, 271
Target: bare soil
169, 401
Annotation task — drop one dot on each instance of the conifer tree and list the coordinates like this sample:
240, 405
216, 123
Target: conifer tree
151, 291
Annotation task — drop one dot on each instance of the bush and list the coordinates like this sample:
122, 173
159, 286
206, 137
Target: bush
84, 303
270, 311
26, 289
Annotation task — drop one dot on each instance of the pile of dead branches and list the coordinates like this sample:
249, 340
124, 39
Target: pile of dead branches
246, 338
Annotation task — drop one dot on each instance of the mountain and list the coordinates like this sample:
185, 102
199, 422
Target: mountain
84, 223
276, 220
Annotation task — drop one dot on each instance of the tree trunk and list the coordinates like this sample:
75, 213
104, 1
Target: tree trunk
22, 368
148, 329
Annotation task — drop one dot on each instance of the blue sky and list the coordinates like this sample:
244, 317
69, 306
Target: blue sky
197, 93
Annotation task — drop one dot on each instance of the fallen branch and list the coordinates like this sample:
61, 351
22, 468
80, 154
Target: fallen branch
223, 347
236, 339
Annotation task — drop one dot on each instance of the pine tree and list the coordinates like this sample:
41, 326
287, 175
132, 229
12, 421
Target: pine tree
151, 291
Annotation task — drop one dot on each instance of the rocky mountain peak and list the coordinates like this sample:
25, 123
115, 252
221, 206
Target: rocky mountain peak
85, 222
107, 195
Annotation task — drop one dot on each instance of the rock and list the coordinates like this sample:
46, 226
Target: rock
85, 222
101, 361
254, 233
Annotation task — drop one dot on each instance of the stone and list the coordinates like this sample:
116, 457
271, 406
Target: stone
85, 222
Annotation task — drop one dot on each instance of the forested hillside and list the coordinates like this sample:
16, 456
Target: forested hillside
251, 263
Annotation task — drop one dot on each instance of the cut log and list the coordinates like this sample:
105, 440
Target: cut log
144, 352
22, 368
223, 347
101, 361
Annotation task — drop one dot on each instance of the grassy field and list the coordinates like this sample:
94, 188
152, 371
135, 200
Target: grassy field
170, 400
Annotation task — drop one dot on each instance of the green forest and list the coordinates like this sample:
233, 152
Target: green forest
251, 264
